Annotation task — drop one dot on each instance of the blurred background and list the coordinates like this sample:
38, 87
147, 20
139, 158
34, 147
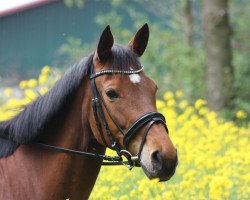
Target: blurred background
198, 46
198, 53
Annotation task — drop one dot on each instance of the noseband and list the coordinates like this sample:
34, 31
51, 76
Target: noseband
148, 120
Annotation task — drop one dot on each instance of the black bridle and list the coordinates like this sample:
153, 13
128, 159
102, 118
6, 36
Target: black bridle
148, 119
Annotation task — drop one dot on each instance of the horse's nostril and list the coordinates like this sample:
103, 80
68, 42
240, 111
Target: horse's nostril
163, 165
157, 159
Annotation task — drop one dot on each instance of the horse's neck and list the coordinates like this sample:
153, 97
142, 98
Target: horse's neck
33, 173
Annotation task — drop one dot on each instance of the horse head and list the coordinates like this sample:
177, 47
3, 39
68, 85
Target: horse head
126, 112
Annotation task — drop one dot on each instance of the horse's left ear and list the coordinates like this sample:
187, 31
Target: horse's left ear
139, 42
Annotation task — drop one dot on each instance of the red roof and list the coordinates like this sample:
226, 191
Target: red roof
8, 7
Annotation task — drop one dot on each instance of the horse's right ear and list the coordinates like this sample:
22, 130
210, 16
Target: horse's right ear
105, 44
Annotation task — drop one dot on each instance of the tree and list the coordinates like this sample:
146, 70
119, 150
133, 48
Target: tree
219, 69
188, 22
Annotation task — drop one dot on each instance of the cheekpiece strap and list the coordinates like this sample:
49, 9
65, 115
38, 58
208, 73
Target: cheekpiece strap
112, 71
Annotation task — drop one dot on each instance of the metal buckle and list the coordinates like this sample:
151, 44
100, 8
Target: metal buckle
130, 162
94, 100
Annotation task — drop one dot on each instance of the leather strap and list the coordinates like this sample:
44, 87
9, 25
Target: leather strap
139, 123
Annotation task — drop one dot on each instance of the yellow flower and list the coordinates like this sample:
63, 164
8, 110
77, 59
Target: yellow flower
30, 94
214, 155
209, 165
168, 95
183, 104
199, 103
32, 83
241, 114
23, 84
171, 103
42, 79
45, 70
203, 111
189, 110
43, 90
160, 104
124, 197
8, 92
179, 93
168, 195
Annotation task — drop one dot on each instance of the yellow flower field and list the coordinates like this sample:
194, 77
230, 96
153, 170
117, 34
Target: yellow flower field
214, 159
214, 154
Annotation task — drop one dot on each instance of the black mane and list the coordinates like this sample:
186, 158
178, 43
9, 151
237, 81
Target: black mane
41, 115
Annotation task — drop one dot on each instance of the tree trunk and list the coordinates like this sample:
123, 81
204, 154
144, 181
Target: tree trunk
219, 69
188, 22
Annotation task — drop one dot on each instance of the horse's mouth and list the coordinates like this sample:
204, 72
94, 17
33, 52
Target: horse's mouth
161, 175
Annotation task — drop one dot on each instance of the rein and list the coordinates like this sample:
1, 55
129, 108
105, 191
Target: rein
113, 160
148, 119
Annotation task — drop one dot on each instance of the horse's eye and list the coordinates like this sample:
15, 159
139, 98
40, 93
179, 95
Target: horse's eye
112, 94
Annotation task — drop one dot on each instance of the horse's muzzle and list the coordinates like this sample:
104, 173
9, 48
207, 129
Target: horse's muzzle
161, 168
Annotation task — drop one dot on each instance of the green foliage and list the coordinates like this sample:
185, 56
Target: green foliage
74, 50
167, 59
241, 50
71, 3
173, 64
115, 20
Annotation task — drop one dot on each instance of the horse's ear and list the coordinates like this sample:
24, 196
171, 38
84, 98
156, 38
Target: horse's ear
139, 42
105, 44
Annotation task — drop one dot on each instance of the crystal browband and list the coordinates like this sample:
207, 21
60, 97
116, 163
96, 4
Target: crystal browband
112, 71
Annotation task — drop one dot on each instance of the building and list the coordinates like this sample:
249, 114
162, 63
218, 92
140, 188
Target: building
32, 31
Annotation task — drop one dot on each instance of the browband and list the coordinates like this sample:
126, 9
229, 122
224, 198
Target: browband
113, 71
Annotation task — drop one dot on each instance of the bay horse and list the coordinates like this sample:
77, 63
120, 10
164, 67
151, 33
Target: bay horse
105, 100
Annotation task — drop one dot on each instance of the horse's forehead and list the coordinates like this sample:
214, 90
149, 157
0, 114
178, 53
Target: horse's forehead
135, 78
135, 82
129, 80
